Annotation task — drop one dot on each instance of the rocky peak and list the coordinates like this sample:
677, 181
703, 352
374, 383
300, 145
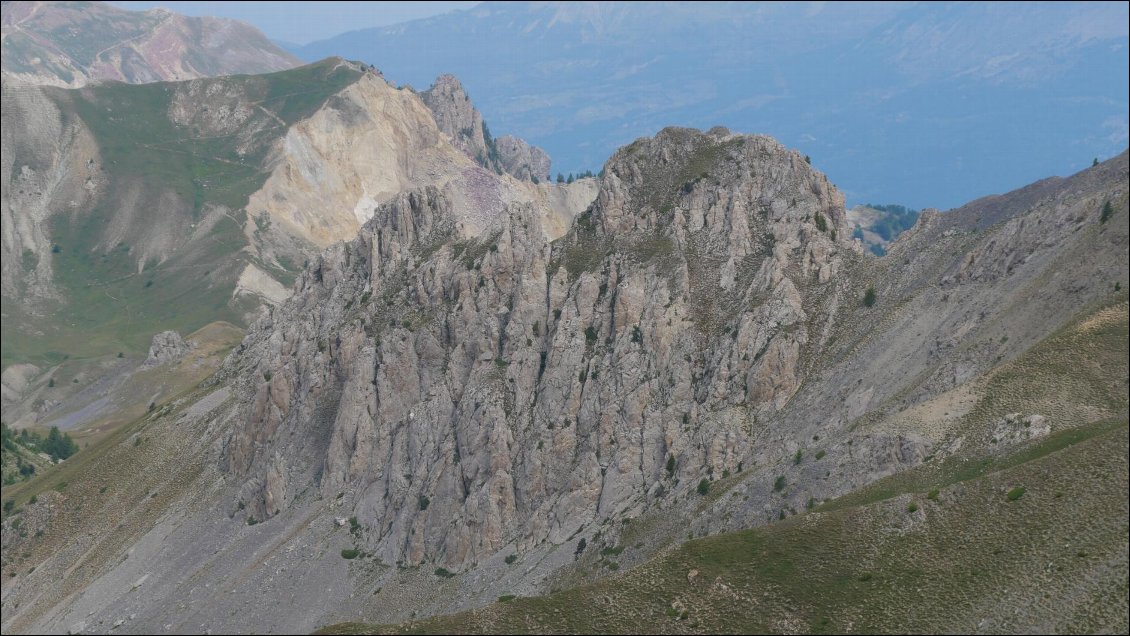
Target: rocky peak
522, 160
457, 116
525, 388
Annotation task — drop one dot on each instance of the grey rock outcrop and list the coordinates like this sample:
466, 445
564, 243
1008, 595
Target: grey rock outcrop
526, 389
522, 160
167, 346
457, 116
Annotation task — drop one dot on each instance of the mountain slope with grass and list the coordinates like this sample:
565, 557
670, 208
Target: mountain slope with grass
75, 43
134, 209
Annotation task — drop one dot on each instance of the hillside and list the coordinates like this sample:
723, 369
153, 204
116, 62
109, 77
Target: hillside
457, 403
961, 554
75, 43
251, 175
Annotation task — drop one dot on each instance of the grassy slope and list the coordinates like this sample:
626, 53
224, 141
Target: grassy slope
110, 305
966, 558
1054, 559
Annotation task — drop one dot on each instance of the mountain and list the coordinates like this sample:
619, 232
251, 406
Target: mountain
134, 209
458, 117
461, 404
928, 104
74, 43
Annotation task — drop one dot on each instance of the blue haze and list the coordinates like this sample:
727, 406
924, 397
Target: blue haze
927, 105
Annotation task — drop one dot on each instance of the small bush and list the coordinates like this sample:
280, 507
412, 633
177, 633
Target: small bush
933, 495
798, 457
580, 547
612, 551
590, 334
1016, 493
821, 224
670, 465
820, 454
506, 598
251, 521
703, 486
34, 498
865, 577
511, 559
779, 485
1106, 213
350, 553
354, 525
912, 507
444, 573
869, 297
423, 502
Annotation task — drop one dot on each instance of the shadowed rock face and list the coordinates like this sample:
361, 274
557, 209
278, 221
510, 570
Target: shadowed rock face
527, 388
73, 43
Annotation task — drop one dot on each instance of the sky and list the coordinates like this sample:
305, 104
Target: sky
303, 22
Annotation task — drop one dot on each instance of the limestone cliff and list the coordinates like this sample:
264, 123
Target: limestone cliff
527, 389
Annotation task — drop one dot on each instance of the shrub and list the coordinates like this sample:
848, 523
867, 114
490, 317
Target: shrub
912, 507
821, 223
933, 495
779, 485
511, 559
590, 334
506, 598
865, 577
1106, 213
820, 454
703, 486
350, 553
424, 502
354, 525
798, 457
1016, 493
670, 465
612, 551
580, 548
251, 521
869, 297
444, 573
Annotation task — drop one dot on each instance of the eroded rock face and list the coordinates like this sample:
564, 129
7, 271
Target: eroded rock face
523, 388
521, 159
167, 346
457, 116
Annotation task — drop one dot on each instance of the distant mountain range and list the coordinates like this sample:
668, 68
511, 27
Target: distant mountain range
72, 43
928, 105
